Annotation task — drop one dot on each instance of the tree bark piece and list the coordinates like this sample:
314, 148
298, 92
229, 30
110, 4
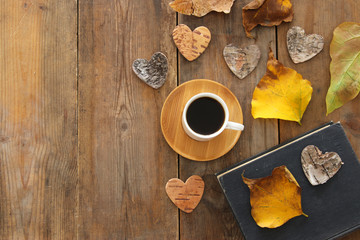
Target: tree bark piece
191, 44
241, 61
319, 167
186, 196
152, 72
200, 8
303, 47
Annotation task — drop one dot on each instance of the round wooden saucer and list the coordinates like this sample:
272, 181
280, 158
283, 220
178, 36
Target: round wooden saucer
174, 133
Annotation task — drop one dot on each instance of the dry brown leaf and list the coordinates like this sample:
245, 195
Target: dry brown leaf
266, 13
200, 8
274, 199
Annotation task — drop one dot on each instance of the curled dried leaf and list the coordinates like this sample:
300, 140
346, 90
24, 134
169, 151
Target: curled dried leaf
200, 8
274, 199
266, 13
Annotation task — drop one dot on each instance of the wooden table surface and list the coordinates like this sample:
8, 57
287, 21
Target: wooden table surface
82, 155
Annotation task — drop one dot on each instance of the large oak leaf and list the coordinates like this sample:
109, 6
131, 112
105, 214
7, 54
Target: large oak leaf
274, 199
200, 8
344, 66
266, 13
281, 93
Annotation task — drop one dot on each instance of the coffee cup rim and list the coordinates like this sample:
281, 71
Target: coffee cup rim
218, 99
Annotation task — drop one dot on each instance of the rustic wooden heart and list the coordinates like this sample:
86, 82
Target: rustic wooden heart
241, 61
191, 44
152, 72
303, 47
319, 167
186, 196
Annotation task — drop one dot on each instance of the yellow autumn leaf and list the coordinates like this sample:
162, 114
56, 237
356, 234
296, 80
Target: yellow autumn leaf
281, 93
274, 199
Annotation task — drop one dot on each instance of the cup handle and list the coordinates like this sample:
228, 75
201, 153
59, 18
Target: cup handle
234, 126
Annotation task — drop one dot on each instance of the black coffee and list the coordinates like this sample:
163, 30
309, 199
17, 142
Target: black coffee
205, 115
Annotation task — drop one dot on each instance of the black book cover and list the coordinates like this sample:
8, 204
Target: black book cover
333, 207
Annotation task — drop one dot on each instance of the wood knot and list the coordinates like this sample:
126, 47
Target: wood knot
42, 7
124, 126
353, 123
4, 139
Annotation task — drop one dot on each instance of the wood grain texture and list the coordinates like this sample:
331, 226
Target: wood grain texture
173, 130
38, 143
97, 168
124, 161
321, 18
213, 218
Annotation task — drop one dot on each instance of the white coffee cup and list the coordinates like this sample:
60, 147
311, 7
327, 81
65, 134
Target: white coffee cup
225, 125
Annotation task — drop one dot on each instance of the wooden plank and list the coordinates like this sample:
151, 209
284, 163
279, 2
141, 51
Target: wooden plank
38, 133
213, 219
316, 17
124, 161
322, 18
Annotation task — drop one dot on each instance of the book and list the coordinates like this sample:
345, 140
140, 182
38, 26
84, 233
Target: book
333, 207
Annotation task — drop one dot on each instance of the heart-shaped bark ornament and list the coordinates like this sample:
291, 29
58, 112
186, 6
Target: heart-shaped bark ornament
319, 167
191, 44
152, 72
241, 61
303, 47
186, 196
